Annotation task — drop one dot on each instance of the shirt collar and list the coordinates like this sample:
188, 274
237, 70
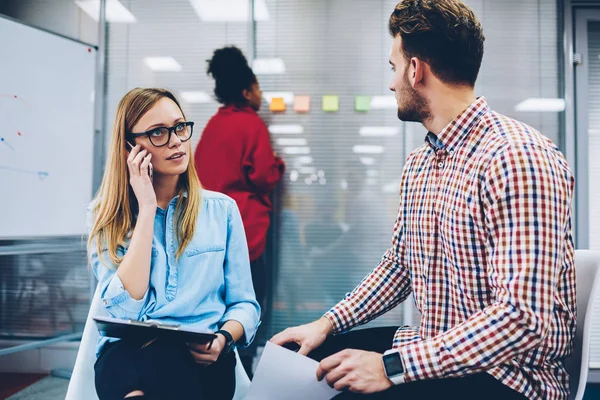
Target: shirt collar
175, 199
456, 131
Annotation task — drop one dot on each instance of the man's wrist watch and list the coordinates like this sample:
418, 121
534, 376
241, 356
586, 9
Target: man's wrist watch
392, 364
229, 342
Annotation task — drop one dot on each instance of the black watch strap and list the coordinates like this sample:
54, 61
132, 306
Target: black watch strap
229, 342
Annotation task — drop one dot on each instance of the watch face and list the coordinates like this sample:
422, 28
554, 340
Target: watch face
392, 364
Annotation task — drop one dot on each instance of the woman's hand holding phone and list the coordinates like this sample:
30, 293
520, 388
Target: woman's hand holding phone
140, 178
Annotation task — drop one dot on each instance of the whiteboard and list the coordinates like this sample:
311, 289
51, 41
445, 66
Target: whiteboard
46, 132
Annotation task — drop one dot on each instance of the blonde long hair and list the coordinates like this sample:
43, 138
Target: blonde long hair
115, 206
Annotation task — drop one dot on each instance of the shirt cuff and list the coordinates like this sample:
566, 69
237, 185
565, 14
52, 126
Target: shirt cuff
115, 295
340, 318
247, 323
421, 360
405, 335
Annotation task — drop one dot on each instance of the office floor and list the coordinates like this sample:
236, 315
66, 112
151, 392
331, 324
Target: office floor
14, 383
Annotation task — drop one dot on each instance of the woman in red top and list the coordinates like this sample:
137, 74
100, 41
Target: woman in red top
235, 157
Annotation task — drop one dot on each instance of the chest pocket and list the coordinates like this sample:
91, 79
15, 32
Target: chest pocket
457, 228
464, 251
199, 249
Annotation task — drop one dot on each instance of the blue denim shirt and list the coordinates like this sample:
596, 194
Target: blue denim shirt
210, 284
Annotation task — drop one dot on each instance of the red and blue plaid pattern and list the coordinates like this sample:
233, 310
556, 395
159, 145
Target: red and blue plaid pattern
483, 240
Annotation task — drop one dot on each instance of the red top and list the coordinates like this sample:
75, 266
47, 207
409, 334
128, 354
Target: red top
235, 157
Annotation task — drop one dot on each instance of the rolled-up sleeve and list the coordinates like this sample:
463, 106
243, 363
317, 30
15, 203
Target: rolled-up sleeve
117, 301
240, 299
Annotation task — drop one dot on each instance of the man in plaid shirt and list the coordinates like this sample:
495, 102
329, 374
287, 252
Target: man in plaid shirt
482, 239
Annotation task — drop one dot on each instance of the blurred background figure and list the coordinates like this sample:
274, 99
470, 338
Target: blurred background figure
235, 157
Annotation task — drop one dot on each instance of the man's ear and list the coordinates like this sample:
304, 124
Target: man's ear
417, 71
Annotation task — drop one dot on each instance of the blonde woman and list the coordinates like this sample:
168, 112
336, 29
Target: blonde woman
164, 249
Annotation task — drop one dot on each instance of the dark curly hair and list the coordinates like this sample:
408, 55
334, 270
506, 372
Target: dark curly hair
232, 75
443, 33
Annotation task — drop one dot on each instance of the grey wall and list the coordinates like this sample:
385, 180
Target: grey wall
60, 16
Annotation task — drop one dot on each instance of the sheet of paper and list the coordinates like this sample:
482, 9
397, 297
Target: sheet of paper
284, 374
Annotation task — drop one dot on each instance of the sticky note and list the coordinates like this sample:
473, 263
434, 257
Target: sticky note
301, 104
277, 104
362, 103
331, 103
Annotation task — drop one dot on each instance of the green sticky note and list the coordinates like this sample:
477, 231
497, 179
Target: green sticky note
331, 103
362, 103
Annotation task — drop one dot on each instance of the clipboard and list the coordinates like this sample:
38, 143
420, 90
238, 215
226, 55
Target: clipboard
147, 330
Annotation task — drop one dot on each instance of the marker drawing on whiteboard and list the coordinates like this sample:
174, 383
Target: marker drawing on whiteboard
2, 140
41, 174
15, 97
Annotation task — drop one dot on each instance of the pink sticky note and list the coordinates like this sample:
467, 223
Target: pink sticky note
301, 104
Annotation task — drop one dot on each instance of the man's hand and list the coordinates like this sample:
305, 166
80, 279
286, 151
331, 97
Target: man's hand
354, 370
208, 353
308, 336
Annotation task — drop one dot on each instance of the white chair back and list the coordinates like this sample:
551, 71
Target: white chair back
587, 264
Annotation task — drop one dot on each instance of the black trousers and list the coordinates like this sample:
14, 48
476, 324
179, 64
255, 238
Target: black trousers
477, 386
260, 281
162, 370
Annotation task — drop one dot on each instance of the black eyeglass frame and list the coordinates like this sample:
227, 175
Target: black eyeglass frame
189, 125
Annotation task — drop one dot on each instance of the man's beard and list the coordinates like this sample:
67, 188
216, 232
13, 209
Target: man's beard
414, 107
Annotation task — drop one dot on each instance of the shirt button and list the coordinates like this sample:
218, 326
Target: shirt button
441, 165
105, 302
451, 151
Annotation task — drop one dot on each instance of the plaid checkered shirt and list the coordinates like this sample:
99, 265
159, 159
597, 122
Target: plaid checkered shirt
483, 240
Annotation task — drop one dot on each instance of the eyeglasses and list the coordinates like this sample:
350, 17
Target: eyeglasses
161, 136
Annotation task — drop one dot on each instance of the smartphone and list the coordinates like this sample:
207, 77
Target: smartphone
150, 168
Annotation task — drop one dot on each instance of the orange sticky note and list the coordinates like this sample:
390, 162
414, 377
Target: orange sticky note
301, 104
277, 104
